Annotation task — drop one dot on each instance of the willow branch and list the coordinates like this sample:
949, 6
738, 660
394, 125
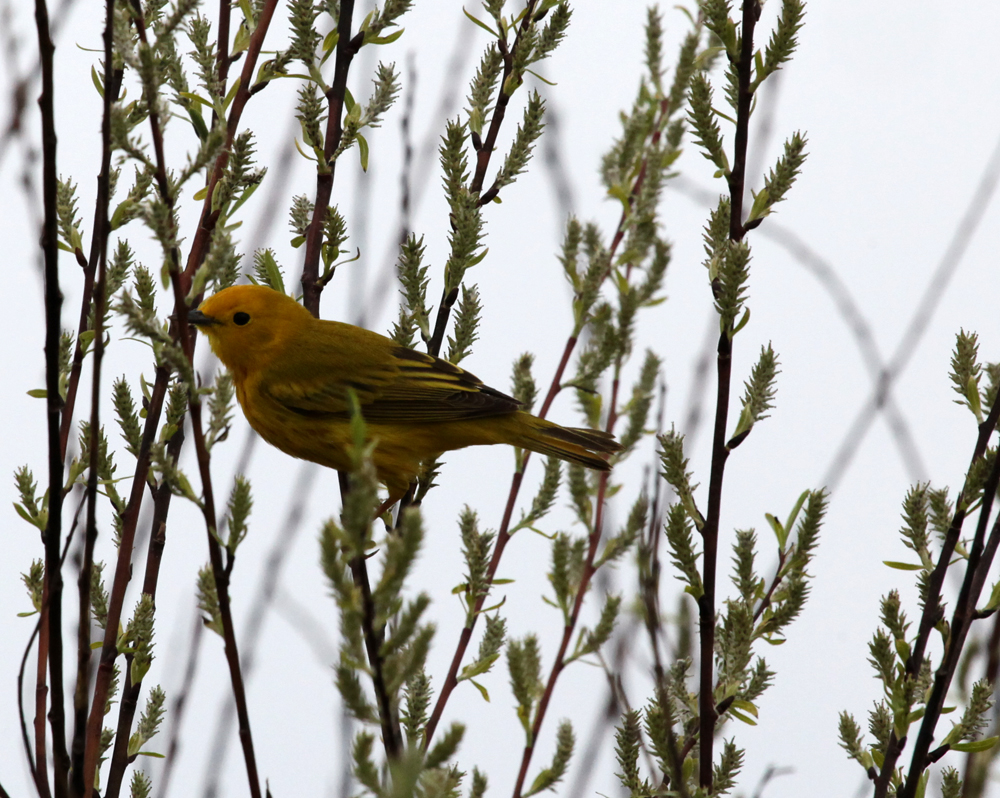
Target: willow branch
503, 535
199, 249
53, 334
347, 48
99, 244
581, 592
707, 710
933, 610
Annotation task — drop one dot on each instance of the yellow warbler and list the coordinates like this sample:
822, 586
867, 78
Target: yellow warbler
292, 374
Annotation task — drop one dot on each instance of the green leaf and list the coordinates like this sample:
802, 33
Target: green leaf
195, 98
548, 82
779, 531
743, 322
482, 25
744, 705
976, 745
482, 690
331, 40
741, 717
232, 93
363, 150
902, 566
38, 393
385, 39
97, 81
994, 601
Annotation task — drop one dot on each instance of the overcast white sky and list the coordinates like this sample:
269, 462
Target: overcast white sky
899, 105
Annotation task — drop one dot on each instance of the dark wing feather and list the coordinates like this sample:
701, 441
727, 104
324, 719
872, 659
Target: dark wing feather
393, 385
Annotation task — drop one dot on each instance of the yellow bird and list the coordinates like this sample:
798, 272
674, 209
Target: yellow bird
293, 372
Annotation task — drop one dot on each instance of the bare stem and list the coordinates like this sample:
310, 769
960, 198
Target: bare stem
581, 592
503, 536
53, 332
347, 48
199, 248
374, 636
101, 232
485, 152
933, 610
707, 710
977, 566
41, 699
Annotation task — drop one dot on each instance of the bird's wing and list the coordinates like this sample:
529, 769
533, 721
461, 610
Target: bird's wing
393, 384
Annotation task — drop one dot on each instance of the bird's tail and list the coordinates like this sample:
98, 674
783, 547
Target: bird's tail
587, 447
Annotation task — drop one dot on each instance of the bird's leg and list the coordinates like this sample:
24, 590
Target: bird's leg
406, 501
383, 508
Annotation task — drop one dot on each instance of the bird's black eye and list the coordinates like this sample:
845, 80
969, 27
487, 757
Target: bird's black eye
241, 318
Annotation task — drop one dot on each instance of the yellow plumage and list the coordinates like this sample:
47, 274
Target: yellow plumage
293, 372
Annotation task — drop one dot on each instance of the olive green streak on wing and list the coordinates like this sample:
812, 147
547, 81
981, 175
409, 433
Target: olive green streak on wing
322, 398
431, 390
424, 389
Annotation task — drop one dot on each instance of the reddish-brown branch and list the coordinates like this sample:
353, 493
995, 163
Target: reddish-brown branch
198, 251
123, 573
503, 536
111, 90
130, 692
766, 601
209, 217
707, 710
374, 635
347, 48
483, 156
581, 592
53, 333
41, 699
932, 606
710, 542
737, 177
101, 232
222, 589
219, 569
977, 566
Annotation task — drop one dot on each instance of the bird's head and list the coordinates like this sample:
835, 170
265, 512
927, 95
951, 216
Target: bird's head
249, 325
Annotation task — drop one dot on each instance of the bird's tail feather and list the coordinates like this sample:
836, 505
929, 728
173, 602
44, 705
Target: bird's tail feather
574, 444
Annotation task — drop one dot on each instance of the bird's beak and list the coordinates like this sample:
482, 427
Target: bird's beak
199, 319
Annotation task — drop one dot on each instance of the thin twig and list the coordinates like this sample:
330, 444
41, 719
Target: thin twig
37, 764
919, 322
130, 691
720, 452
53, 332
483, 155
41, 770
112, 87
374, 637
977, 566
932, 609
99, 245
198, 251
379, 292
260, 605
347, 48
503, 535
41, 785
568, 631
